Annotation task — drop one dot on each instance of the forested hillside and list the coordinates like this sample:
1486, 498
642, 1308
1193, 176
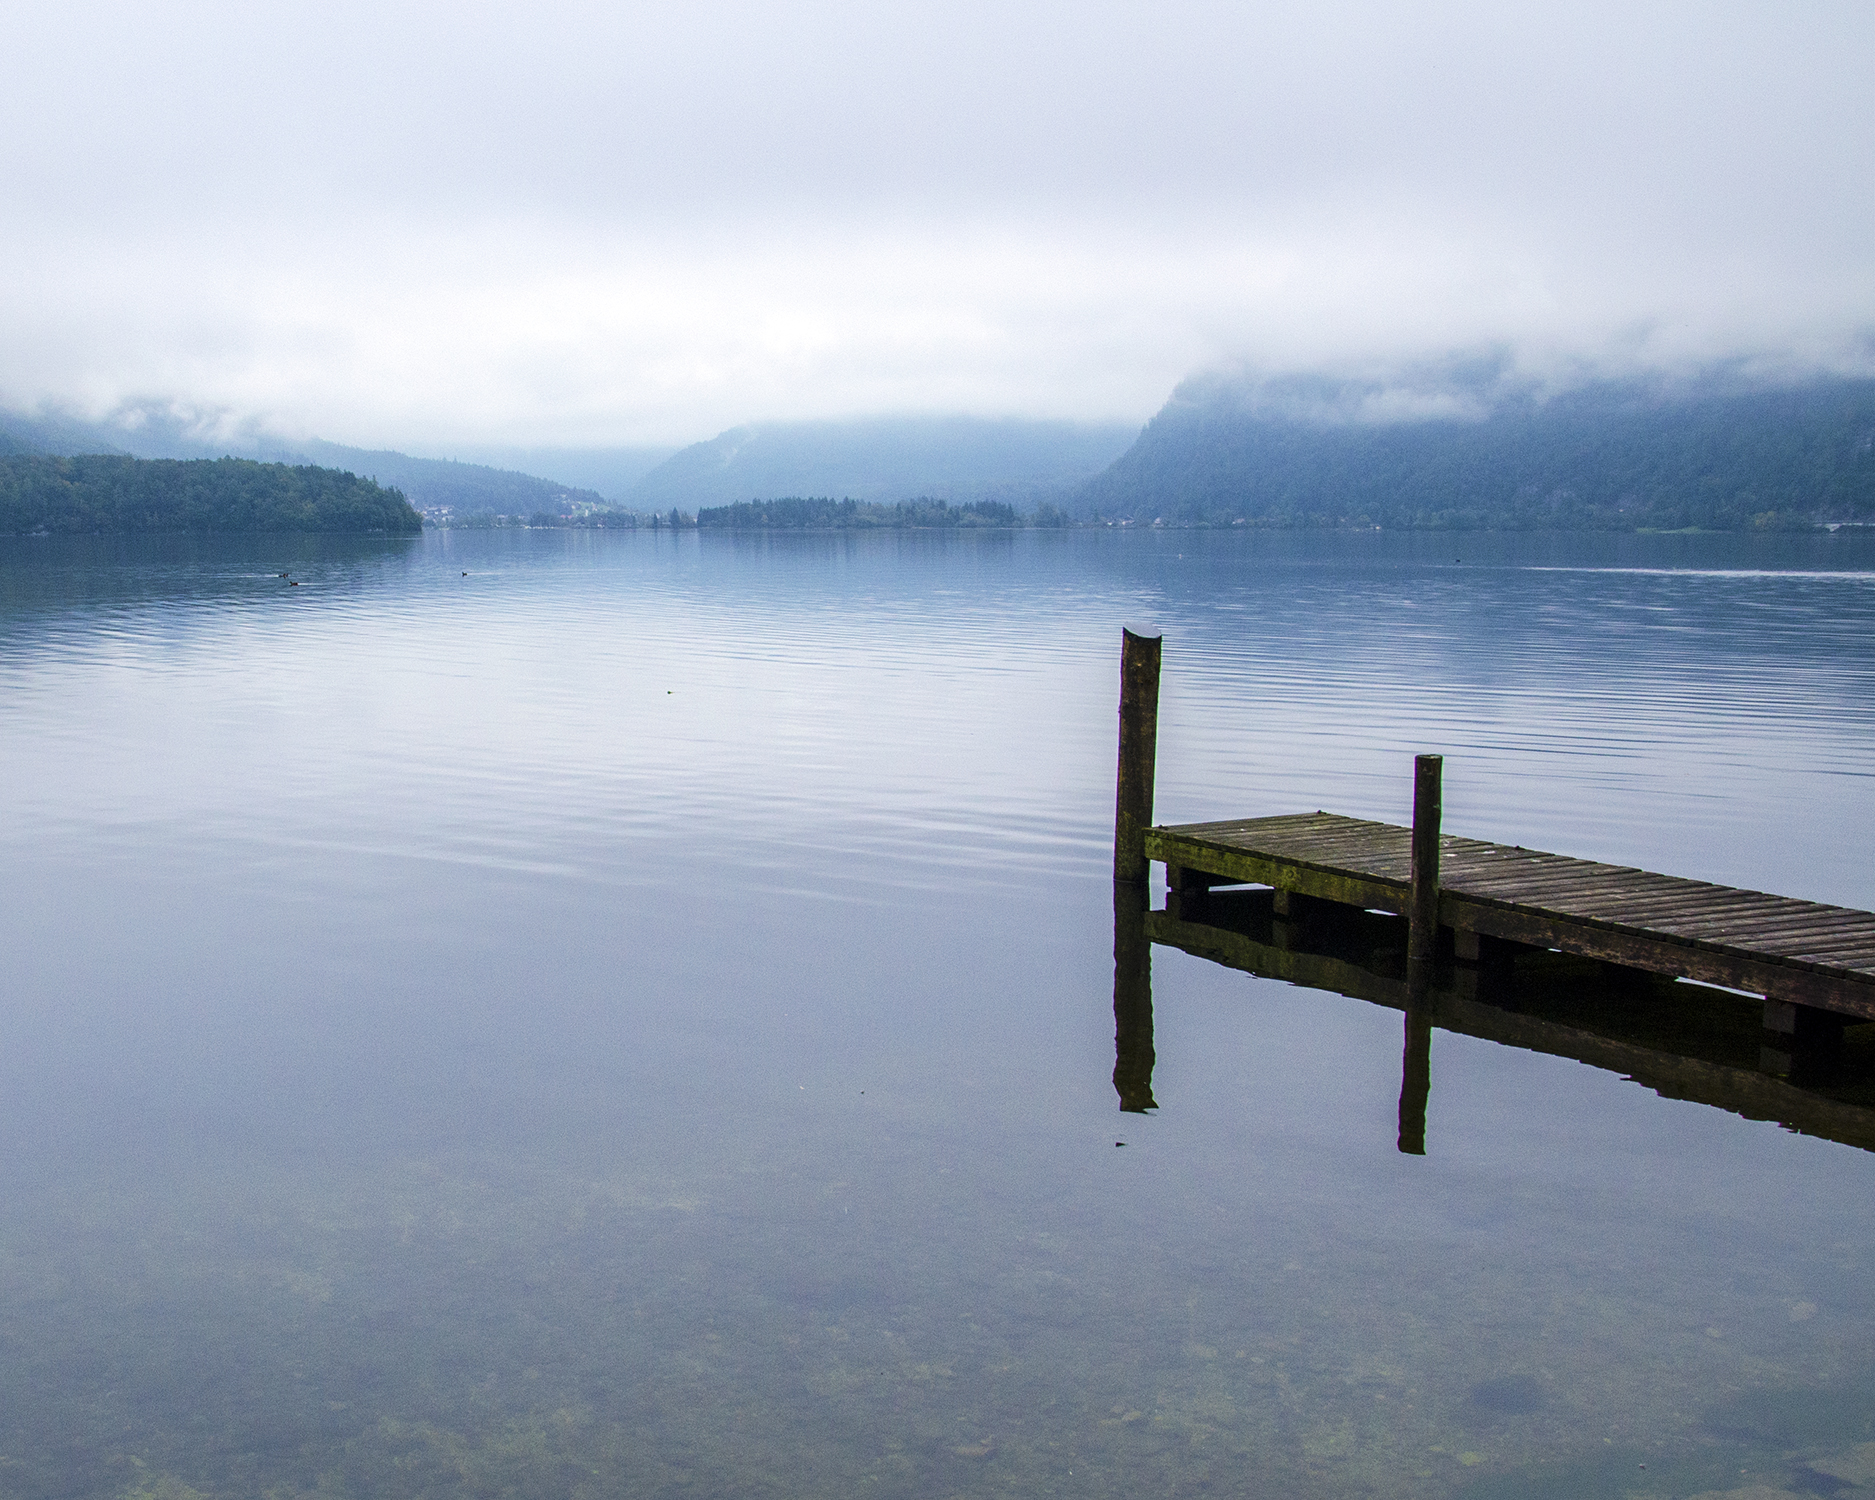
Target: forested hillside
1605, 457
108, 493
448, 491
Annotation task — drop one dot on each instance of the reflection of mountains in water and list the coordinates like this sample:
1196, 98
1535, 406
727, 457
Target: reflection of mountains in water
1695, 1043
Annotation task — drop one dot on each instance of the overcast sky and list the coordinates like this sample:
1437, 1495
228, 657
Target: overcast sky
420, 224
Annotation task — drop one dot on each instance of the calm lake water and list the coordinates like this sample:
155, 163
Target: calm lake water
545, 1014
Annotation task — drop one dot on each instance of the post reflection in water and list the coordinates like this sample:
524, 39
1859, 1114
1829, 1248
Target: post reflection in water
1133, 1056
1416, 1078
1692, 1042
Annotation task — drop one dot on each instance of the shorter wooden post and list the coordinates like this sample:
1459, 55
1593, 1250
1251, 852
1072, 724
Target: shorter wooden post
1139, 745
1422, 934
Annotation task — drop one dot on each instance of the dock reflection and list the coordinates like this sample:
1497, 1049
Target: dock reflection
1684, 1042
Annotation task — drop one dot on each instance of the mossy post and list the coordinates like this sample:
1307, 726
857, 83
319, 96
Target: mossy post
1422, 933
1139, 747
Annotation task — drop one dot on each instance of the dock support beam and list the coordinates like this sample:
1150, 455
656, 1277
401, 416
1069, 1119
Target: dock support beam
1139, 746
1422, 933
1801, 1042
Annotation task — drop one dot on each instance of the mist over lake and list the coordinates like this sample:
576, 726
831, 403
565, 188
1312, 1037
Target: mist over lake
581, 1013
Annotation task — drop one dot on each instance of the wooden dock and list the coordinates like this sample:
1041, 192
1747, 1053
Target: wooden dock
1792, 952
1472, 901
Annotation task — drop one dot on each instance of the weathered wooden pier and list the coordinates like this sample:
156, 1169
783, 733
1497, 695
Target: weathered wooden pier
1474, 911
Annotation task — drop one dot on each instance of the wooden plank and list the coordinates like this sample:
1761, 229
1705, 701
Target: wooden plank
1736, 927
1828, 963
1330, 841
1215, 848
1516, 855
1296, 823
1768, 917
1848, 955
1821, 955
1644, 909
1746, 934
1745, 923
1859, 948
1513, 853
1539, 885
1313, 859
1756, 904
1694, 933
1649, 889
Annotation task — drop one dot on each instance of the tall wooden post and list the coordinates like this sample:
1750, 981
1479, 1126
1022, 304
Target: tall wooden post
1422, 933
1139, 746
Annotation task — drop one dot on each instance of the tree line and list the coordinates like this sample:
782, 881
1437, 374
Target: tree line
806, 513
40, 493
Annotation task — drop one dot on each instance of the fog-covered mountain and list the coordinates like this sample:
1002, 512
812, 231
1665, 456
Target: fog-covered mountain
610, 472
956, 459
1469, 448
432, 483
60, 436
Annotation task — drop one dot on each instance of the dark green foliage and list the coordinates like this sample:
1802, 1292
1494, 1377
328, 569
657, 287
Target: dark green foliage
109, 493
797, 514
1605, 458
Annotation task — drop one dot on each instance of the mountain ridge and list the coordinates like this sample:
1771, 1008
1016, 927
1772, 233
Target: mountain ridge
886, 460
1723, 454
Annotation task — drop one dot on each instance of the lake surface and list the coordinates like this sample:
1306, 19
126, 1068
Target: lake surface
556, 1014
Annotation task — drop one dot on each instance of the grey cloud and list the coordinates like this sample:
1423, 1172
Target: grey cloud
585, 223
